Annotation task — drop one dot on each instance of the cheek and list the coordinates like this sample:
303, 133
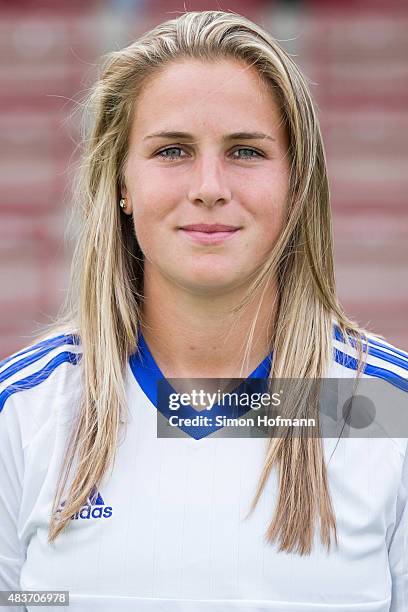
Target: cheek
151, 200
269, 233
269, 215
144, 229
269, 203
149, 222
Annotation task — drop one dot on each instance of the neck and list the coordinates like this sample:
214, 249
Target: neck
198, 336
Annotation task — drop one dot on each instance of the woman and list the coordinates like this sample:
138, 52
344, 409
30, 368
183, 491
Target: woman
205, 252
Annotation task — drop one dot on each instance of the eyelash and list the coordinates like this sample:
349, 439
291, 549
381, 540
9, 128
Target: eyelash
159, 153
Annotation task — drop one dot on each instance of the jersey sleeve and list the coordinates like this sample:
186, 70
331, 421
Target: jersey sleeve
398, 547
11, 479
38, 386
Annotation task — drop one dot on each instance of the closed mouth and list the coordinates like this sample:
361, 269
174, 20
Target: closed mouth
209, 228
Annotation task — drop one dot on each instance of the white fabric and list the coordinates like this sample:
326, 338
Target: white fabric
177, 539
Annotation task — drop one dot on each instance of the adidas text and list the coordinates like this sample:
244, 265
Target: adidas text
88, 512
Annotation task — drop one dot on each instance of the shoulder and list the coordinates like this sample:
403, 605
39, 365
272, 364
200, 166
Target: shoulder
381, 359
384, 380
32, 379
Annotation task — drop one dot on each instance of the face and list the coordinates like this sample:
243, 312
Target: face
207, 174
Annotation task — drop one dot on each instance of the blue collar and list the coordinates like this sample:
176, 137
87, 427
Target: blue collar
147, 374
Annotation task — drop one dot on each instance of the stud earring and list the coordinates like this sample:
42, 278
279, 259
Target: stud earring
122, 203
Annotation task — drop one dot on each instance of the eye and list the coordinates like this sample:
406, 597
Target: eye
257, 153
170, 151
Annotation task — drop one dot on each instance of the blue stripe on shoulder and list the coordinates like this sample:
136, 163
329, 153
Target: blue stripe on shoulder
395, 357
351, 362
388, 357
34, 347
38, 377
40, 349
389, 348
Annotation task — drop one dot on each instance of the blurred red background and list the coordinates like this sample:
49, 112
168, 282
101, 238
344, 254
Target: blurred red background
355, 56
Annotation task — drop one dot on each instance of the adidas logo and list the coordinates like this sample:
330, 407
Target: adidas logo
94, 508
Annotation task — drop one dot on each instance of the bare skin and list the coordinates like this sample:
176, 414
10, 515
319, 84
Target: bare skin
206, 177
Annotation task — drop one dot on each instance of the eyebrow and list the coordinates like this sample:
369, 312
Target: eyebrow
226, 137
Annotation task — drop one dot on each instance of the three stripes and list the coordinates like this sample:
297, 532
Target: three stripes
29, 356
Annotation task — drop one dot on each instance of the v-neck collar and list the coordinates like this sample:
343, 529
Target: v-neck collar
147, 374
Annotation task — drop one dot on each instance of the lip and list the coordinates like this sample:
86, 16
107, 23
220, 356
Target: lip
203, 233
209, 228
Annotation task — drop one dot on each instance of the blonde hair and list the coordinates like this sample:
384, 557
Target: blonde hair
105, 296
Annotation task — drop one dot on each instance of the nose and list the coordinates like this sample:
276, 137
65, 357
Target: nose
209, 183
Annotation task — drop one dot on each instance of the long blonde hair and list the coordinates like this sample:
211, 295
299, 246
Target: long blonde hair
104, 301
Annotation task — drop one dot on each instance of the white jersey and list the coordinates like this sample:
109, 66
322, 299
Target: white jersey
167, 530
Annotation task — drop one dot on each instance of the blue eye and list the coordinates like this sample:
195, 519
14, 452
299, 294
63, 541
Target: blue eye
161, 153
251, 151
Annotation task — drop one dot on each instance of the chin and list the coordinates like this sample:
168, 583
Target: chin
210, 284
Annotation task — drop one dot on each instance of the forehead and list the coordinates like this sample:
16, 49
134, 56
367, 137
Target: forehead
209, 92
